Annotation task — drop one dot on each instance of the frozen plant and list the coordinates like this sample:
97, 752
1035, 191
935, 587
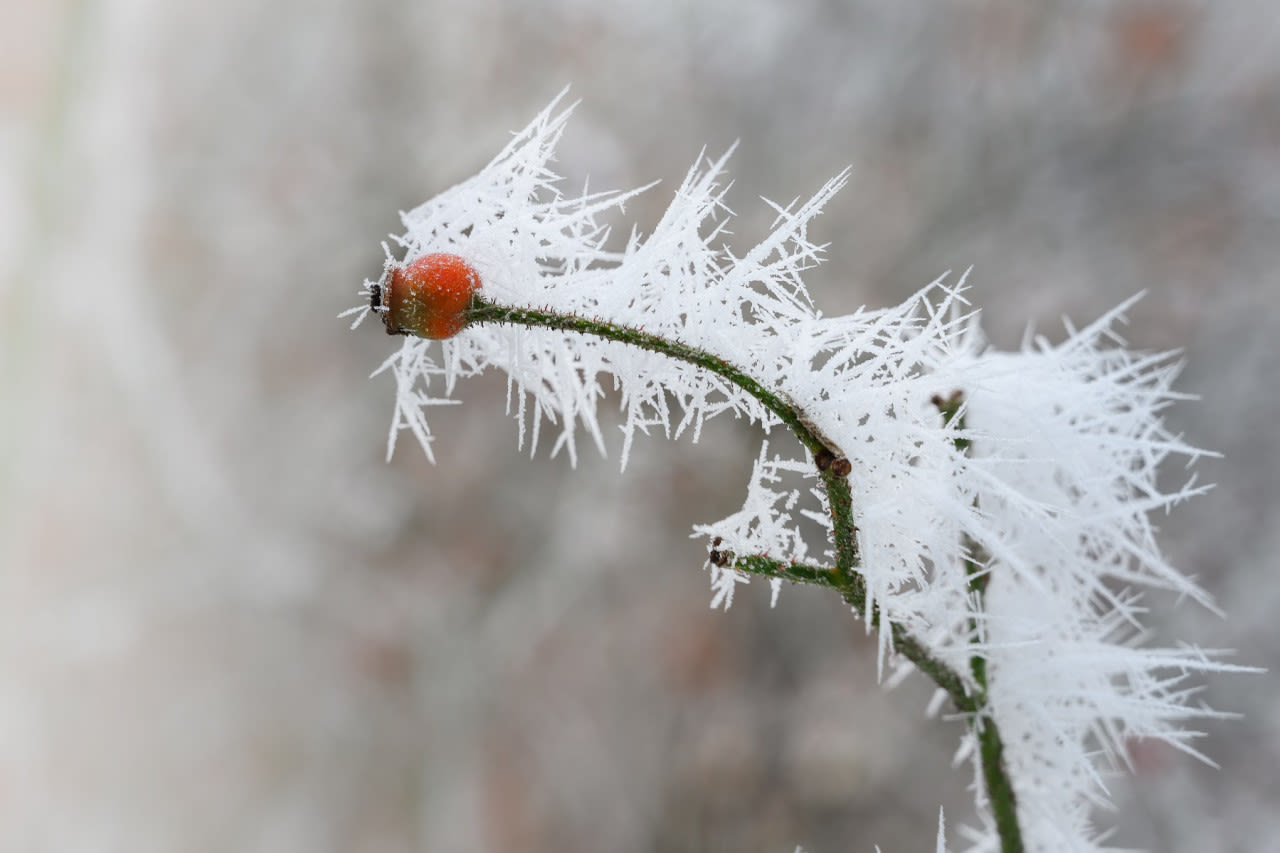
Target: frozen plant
986, 512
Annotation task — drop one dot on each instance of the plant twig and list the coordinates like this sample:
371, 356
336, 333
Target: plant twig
483, 311
968, 697
1000, 793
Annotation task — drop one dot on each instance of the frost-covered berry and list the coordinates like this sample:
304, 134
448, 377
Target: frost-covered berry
428, 297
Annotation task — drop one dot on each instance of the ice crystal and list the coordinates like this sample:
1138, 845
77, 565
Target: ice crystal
1043, 480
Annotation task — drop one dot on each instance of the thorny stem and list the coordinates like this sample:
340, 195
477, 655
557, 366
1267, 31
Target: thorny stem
482, 311
969, 697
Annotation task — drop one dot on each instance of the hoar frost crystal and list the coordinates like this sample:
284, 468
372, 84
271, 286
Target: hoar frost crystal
1009, 538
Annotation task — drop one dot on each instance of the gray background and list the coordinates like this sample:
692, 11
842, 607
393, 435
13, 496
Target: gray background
226, 624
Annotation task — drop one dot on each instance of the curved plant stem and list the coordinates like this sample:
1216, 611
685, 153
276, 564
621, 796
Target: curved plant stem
482, 311
969, 697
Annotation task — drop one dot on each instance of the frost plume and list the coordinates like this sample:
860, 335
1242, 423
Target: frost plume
535, 247
1043, 483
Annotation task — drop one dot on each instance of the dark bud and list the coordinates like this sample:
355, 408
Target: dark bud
823, 459
720, 558
948, 405
841, 467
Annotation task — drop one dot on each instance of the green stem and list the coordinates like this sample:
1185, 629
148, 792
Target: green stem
845, 532
844, 577
1004, 803
482, 311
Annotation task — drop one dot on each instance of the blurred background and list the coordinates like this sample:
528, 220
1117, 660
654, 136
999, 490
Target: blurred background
227, 624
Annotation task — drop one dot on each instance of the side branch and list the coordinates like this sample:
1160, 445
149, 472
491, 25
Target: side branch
854, 591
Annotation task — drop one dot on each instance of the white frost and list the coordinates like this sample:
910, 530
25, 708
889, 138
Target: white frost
1052, 499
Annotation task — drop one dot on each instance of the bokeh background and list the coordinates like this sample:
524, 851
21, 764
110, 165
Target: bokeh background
227, 624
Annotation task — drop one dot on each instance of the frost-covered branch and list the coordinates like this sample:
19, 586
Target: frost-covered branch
481, 311
989, 512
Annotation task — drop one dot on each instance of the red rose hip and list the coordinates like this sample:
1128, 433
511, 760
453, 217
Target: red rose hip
428, 297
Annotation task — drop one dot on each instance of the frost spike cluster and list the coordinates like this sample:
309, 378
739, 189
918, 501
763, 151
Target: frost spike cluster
1051, 499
